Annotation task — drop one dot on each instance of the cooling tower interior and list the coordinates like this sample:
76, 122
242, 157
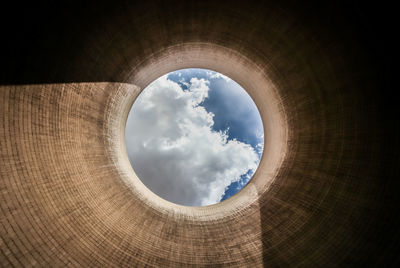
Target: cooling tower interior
324, 194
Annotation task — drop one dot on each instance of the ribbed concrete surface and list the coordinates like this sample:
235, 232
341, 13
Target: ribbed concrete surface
322, 196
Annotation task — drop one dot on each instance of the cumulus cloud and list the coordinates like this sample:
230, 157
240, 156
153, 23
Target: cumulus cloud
175, 152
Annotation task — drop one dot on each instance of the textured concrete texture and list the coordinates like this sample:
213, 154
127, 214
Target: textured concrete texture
323, 195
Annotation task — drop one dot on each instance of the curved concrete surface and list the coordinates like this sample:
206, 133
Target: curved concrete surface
323, 195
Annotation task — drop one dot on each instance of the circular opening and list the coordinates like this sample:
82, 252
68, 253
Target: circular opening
194, 137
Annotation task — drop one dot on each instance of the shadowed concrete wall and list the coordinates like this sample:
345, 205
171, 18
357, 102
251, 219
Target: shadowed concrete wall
324, 191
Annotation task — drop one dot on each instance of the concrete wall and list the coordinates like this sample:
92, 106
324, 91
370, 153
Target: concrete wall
324, 193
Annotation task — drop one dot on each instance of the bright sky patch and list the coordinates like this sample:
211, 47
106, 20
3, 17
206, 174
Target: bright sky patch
194, 137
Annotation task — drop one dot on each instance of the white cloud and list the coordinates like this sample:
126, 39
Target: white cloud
182, 81
175, 152
260, 147
215, 75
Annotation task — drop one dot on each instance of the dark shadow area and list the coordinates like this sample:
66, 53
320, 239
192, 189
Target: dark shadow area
340, 177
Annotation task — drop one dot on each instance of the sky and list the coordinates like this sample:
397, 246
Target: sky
194, 137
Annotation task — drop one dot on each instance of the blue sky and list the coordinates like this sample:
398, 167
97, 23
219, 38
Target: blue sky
205, 157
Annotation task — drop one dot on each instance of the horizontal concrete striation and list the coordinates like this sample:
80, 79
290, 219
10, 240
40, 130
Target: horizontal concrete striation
63, 200
323, 195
